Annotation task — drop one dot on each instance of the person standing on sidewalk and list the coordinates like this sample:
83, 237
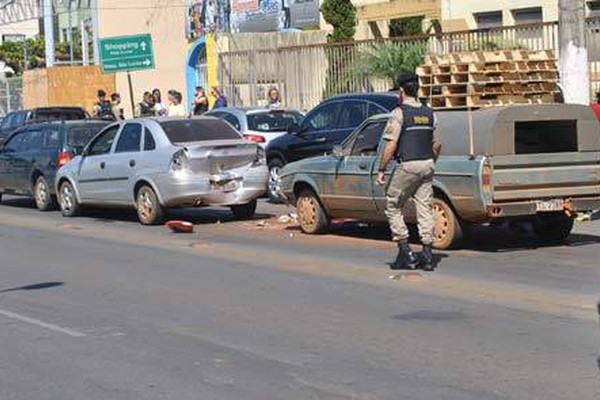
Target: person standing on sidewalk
117, 109
220, 99
144, 107
411, 140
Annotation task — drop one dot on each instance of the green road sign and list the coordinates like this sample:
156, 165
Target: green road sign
126, 53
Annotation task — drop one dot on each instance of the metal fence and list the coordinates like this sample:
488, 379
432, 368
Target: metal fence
11, 95
306, 74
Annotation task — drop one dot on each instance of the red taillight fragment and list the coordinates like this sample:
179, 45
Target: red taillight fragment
63, 158
255, 138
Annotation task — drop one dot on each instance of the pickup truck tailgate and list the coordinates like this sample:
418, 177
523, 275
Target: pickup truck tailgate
543, 176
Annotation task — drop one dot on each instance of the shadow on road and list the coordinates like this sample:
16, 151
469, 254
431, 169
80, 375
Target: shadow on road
37, 286
480, 238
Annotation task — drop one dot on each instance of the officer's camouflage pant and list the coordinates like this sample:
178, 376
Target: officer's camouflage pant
411, 179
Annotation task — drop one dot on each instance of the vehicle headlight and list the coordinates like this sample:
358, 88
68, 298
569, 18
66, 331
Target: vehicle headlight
261, 157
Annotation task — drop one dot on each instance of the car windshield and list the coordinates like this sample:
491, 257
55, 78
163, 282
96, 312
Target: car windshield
273, 121
198, 130
79, 135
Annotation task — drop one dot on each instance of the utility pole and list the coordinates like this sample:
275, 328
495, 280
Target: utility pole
574, 66
48, 12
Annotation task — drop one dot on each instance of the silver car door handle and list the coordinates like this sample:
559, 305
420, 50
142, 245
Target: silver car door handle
132, 163
102, 165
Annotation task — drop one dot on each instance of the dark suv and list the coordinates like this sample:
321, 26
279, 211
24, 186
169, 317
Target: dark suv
16, 119
327, 125
31, 156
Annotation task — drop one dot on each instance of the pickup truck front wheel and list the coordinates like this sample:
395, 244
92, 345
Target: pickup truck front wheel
553, 228
311, 215
447, 230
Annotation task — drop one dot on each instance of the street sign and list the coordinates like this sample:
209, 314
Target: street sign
126, 53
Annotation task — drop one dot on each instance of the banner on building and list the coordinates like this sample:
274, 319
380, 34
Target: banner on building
237, 16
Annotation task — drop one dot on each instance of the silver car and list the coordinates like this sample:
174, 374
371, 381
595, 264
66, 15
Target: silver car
259, 124
159, 163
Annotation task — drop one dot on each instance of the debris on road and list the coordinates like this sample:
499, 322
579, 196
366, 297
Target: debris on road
180, 226
261, 224
406, 276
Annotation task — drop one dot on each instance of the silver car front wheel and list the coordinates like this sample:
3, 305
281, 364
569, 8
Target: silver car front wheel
69, 206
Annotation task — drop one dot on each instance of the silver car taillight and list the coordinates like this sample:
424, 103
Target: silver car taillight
180, 160
261, 157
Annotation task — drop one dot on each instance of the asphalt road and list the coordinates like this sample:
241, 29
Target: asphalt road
100, 307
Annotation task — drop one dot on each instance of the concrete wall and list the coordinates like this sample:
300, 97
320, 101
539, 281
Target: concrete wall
166, 22
458, 12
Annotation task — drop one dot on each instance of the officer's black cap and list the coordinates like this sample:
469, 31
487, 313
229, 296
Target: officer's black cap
403, 79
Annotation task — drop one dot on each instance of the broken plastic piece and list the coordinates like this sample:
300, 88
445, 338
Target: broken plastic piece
181, 226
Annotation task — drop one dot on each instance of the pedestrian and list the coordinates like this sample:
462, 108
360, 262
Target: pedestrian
117, 110
159, 109
144, 107
200, 101
412, 141
176, 107
103, 107
273, 98
220, 99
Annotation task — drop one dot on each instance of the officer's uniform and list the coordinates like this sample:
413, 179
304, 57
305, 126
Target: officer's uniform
412, 127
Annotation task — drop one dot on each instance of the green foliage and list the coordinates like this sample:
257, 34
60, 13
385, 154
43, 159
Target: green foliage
13, 54
340, 14
389, 60
412, 26
496, 44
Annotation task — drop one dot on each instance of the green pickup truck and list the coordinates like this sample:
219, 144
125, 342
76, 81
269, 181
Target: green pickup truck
538, 163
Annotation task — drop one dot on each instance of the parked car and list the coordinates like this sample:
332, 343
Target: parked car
153, 164
258, 124
530, 163
327, 125
16, 119
31, 156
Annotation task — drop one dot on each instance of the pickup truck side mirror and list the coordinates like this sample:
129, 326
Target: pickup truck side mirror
338, 151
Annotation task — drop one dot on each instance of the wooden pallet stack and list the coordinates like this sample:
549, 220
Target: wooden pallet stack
483, 78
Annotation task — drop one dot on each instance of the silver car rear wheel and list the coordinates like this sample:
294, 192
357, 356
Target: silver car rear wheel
67, 200
149, 209
275, 166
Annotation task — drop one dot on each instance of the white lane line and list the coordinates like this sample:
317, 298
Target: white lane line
41, 324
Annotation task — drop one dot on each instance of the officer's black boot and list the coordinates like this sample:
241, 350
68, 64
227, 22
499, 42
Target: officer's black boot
427, 261
405, 258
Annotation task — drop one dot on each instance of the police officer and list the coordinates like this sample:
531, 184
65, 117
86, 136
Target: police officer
411, 140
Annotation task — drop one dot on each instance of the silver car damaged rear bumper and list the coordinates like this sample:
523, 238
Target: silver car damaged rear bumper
179, 189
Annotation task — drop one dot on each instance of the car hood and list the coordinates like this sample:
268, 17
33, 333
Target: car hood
312, 164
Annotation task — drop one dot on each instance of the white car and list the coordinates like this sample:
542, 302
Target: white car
153, 164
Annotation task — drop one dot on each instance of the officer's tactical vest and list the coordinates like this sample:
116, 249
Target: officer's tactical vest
416, 137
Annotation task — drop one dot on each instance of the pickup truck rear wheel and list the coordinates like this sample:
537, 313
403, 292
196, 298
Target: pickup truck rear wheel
553, 228
447, 230
311, 215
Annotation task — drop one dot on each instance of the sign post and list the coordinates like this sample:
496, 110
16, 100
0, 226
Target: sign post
126, 54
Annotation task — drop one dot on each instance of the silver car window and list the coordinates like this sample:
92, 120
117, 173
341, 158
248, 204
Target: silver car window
149, 142
130, 139
103, 143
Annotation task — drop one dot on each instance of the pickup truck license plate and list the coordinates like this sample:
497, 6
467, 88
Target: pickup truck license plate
549, 205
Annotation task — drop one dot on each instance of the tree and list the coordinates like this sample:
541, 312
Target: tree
13, 54
389, 60
411, 26
341, 14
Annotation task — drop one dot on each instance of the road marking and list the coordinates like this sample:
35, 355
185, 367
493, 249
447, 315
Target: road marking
41, 324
